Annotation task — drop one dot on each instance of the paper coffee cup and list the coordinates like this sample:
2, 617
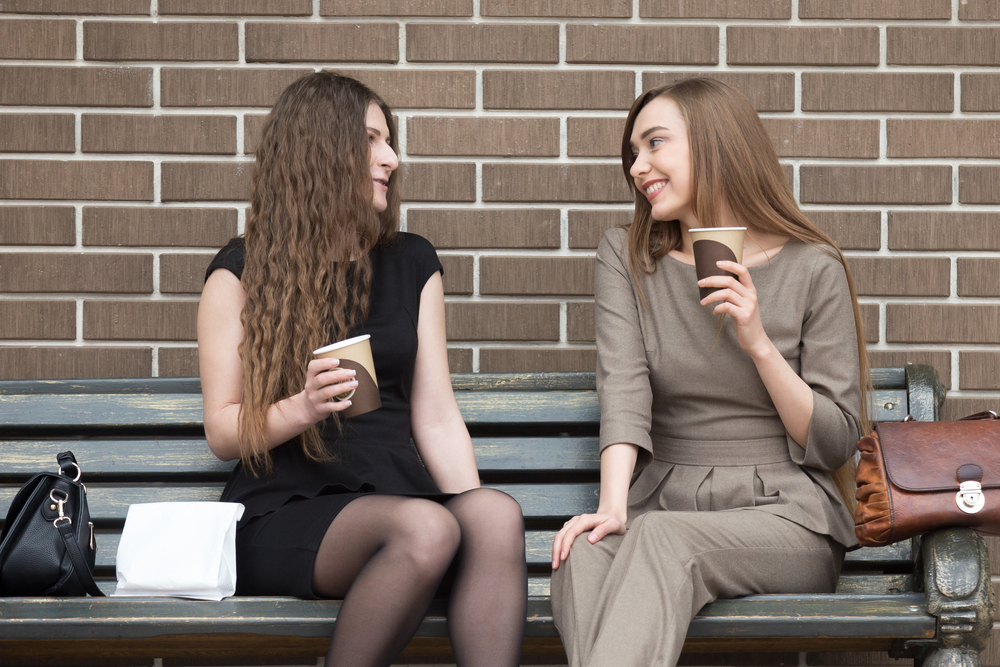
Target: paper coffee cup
714, 244
355, 354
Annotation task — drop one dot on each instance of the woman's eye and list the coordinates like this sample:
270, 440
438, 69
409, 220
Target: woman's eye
654, 142
635, 156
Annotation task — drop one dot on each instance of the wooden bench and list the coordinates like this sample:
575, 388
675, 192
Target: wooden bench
535, 438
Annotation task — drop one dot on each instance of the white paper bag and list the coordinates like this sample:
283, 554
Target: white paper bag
185, 550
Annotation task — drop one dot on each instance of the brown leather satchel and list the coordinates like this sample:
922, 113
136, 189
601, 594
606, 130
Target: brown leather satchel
918, 476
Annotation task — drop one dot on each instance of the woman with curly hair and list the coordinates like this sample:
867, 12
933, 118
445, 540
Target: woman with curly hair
725, 452
343, 507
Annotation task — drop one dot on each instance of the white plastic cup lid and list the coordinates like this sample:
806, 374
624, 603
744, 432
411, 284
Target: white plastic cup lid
341, 344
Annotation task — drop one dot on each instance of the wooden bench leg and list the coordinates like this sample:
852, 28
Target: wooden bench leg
956, 578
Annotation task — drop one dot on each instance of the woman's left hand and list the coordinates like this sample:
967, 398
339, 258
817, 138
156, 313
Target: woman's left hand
738, 299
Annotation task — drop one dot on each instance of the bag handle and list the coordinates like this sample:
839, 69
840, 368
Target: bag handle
988, 414
76, 557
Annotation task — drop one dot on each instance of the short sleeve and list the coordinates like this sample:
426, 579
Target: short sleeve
232, 257
829, 365
424, 260
623, 387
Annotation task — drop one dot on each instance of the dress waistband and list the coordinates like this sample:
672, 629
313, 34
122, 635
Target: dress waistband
721, 452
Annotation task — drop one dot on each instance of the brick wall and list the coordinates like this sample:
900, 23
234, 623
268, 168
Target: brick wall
127, 126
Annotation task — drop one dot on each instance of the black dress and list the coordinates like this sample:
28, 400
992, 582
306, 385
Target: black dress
289, 511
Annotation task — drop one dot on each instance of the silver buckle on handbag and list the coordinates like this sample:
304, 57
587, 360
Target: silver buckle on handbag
970, 497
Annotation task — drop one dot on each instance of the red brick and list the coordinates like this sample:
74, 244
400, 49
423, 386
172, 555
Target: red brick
37, 133
979, 369
940, 360
79, 179
236, 7
106, 133
943, 138
925, 184
850, 230
438, 181
942, 46
479, 228
649, 44
322, 42
981, 92
536, 360
166, 40
501, 320
875, 9
183, 273
458, 270
760, 45
24, 319
567, 8
586, 228
979, 276
978, 184
176, 362
901, 276
395, 8
140, 320
76, 86
944, 230
536, 276
50, 363
870, 321
767, 91
420, 89
716, 9
580, 321
75, 7
508, 137
206, 181
76, 272
34, 39
594, 137
482, 42
158, 226
882, 91
558, 89
37, 225
230, 87
979, 10
459, 360
956, 407
943, 323
803, 137
554, 183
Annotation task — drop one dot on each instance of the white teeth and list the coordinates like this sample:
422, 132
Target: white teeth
654, 187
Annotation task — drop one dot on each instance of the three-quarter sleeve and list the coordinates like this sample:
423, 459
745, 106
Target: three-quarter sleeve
622, 368
829, 365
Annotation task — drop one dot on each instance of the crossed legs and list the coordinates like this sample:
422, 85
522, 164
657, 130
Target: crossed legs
386, 555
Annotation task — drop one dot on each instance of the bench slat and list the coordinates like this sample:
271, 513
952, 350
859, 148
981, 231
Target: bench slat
152, 411
903, 615
109, 504
162, 458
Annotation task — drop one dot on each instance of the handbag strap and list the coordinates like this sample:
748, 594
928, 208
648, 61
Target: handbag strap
76, 557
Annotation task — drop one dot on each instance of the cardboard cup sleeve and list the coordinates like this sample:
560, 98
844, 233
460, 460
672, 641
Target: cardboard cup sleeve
356, 354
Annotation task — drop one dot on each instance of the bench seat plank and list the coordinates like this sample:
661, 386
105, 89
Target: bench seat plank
902, 615
493, 408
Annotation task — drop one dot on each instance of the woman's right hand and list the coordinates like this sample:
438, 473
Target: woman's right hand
599, 525
325, 380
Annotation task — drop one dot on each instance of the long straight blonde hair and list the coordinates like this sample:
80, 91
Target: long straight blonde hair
733, 162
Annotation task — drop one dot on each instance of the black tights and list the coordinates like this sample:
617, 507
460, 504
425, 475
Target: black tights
386, 555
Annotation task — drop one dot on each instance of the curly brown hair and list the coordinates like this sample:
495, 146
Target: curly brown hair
309, 232
734, 162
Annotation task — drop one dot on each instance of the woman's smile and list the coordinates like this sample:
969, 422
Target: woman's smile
653, 188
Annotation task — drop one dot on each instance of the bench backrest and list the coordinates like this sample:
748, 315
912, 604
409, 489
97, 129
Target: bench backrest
535, 437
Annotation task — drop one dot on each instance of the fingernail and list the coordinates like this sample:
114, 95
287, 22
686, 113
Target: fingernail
348, 402
701, 282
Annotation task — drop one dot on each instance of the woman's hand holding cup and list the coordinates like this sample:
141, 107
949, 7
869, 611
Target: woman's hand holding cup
738, 299
324, 382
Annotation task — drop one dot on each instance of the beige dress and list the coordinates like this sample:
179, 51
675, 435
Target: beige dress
723, 502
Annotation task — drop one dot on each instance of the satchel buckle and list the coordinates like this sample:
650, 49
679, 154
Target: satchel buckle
970, 497
60, 502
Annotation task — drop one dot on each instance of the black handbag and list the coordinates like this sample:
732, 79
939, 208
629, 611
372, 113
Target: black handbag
47, 545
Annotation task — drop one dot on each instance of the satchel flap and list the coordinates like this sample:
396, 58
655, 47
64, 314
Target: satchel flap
926, 456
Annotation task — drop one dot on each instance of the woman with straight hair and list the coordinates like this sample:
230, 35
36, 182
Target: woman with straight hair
726, 446
336, 506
